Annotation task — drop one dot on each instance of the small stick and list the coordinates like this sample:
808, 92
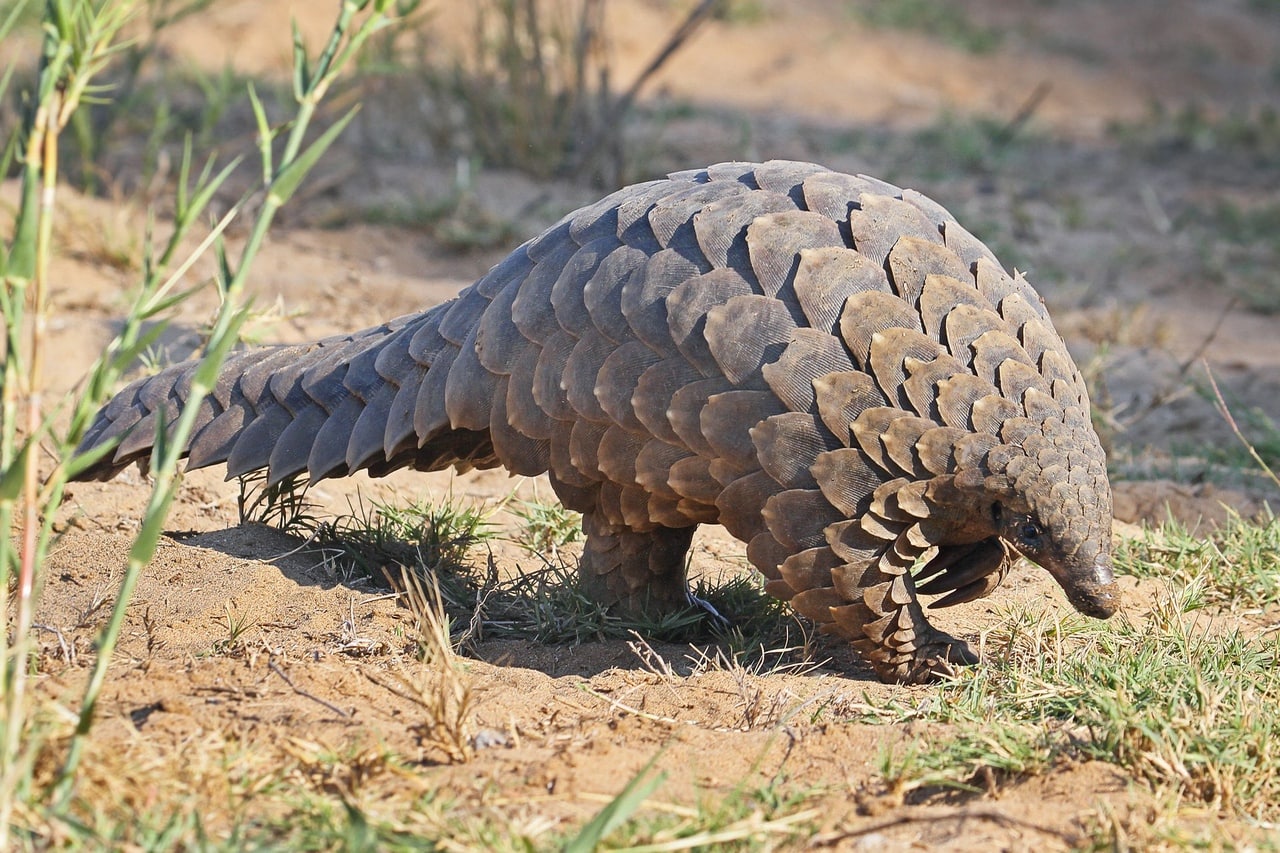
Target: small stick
1006, 134
690, 25
996, 817
1231, 421
314, 698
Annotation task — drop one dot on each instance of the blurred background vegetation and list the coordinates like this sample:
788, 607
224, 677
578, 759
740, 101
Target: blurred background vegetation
1125, 164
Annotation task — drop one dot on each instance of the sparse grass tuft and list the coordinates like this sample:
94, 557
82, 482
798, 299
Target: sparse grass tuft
547, 527
236, 625
762, 630
533, 88
427, 539
1167, 699
530, 92
1238, 565
283, 506
439, 687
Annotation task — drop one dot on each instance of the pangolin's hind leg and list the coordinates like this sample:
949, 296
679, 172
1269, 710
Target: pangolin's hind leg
635, 573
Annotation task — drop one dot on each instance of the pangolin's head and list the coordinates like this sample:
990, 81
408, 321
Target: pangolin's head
1051, 501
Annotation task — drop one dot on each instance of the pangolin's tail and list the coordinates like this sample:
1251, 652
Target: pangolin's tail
368, 400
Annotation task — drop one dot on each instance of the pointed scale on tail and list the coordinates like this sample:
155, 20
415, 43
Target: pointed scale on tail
829, 366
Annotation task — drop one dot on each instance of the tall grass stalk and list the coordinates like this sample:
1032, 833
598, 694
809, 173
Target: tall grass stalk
78, 42
80, 39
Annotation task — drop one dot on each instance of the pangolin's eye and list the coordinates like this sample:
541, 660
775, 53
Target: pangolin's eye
1030, 534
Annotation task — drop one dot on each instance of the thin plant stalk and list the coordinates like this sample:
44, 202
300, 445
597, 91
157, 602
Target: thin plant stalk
1225, 410
281, 181
44, 147
80, 40
77, 44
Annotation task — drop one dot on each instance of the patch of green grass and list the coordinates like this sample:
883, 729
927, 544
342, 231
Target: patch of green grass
546, 527
544, 604
947, 22
974, 760
547, 605
747, 818
973, 144
424, 538
762, 630
1169, 699
1237, 566
961, 143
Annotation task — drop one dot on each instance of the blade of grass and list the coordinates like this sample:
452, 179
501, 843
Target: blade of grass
620, 808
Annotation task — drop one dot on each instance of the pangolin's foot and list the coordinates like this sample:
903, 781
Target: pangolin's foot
939, 657
635, 573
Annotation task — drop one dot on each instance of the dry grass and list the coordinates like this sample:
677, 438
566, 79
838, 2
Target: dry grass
438, 684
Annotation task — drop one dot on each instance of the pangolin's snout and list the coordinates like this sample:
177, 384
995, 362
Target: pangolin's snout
1092, 588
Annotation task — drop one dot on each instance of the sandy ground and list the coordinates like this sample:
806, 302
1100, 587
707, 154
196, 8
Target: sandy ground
571, 724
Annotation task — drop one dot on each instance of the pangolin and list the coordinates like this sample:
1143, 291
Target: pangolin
829, 366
